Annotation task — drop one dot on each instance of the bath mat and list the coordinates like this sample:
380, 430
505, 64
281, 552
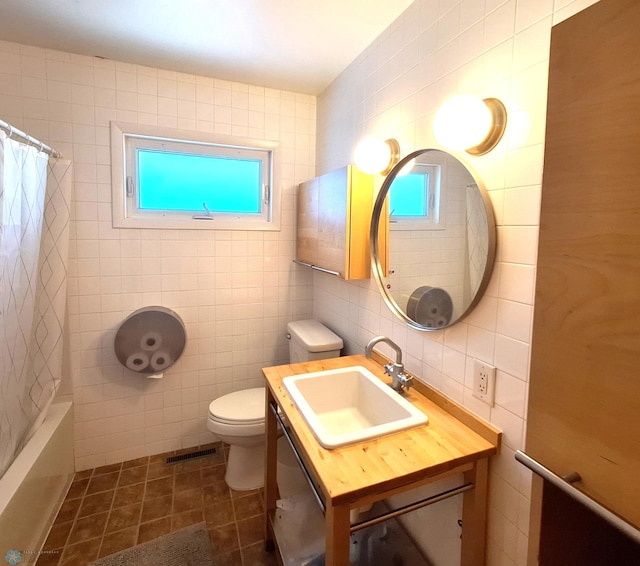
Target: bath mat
190, 546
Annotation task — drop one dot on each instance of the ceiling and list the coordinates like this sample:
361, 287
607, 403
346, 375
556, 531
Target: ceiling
297, 45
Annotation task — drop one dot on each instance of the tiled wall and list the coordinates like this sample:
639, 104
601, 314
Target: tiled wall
234, 290
438, 48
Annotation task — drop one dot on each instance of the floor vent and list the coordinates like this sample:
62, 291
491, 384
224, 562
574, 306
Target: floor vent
191, 455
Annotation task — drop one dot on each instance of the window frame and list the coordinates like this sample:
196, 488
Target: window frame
127, 138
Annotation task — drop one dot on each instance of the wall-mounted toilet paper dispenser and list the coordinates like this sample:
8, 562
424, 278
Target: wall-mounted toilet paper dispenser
430, 306
150, 340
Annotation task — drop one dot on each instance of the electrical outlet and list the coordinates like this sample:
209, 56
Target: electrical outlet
484, 381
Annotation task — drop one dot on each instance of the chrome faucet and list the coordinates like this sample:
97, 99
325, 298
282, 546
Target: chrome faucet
400, 381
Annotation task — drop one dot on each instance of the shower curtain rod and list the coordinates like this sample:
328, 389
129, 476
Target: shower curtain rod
14, 133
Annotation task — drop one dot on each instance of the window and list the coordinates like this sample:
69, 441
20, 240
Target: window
161, 179
414, 199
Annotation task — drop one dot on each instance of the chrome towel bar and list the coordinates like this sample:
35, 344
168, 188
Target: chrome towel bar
412, 507
565, 484
322, 269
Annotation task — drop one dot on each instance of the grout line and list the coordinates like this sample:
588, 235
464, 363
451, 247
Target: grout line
76, 517
106, 523
144, 491
100, 538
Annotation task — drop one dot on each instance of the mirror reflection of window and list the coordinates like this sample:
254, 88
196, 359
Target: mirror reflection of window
415, 199
451, 248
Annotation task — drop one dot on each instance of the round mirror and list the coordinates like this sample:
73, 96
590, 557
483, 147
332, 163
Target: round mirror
432, 240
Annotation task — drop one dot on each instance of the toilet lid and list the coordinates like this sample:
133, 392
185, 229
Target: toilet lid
246, 406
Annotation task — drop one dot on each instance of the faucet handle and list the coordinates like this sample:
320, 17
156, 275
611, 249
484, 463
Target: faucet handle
394, 369
400, 381
406, 380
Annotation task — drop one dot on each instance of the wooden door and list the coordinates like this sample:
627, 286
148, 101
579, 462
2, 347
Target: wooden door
584, 398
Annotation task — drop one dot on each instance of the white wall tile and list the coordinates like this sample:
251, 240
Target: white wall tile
529, 12
532, 44
510, 393
566, 8
517, 282
514, 320
519, 244
512, 356
500, 24
522, 206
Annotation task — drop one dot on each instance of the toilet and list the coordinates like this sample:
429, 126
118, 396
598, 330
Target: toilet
238, 418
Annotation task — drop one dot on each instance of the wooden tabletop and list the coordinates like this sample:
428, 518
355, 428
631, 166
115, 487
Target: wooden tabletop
362, 471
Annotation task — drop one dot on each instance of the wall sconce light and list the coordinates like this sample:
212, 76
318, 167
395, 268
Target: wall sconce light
373, 155
471, 124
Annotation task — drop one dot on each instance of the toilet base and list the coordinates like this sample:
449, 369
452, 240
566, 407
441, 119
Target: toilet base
245, 467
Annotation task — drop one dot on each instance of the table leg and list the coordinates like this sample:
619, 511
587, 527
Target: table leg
270, 470
474, 515
337, 536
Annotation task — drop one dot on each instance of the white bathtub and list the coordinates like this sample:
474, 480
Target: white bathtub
34, 486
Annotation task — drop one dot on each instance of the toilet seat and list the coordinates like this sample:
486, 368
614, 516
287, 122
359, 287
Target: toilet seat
244, 407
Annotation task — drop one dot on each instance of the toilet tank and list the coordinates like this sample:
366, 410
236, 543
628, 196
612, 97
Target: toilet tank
311, 340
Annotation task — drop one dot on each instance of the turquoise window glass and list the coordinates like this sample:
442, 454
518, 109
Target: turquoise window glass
409, 195
190, 182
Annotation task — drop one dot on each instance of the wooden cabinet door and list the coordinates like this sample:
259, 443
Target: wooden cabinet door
334, 216
307, 228
333, 194
584, 397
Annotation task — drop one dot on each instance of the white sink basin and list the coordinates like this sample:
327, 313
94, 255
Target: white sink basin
349, 405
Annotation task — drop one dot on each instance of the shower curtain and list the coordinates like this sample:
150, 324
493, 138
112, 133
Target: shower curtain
34, 242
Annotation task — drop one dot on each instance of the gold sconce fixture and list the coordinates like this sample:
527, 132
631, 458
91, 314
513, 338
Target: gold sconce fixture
469, 123
373, 155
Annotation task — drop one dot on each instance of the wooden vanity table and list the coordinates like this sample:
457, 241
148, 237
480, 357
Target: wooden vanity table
453, 442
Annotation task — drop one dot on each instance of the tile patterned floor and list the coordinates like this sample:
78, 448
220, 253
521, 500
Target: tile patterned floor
115, 507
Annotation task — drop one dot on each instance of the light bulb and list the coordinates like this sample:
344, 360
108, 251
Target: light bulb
462, 122
372, 156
